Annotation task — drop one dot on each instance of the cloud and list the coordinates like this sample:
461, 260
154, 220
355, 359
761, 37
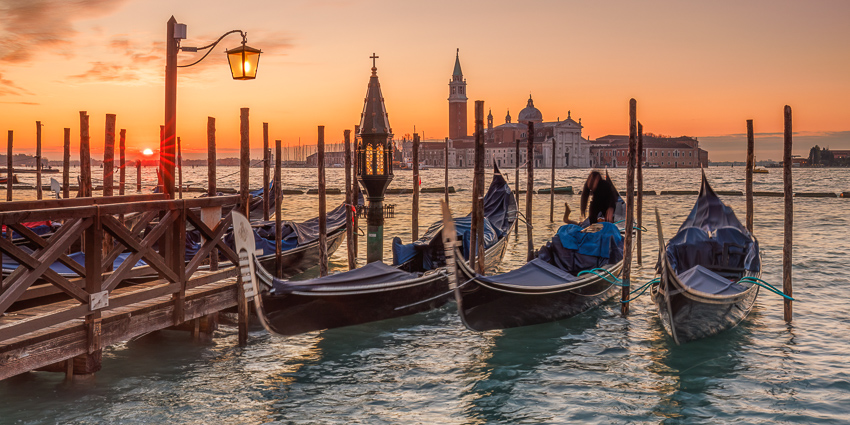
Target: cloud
9, 88
102, 71
28, 27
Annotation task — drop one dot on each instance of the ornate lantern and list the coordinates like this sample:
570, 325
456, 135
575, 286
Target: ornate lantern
243, 61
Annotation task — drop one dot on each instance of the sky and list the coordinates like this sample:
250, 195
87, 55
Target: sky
695, 68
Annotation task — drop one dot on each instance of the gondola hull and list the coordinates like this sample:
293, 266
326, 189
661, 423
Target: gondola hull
302, 258
689, 315
487, 306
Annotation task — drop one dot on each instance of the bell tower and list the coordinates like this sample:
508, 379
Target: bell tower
457, 102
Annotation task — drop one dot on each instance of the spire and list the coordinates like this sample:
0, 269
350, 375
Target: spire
374, 119
508, 117
457, 72
530, 102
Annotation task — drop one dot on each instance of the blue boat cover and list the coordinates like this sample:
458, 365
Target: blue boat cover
62, 269
705, 280
500, 211
712, 237
371, 274
536, 272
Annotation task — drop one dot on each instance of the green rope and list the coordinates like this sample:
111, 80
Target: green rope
642, 290
638, 228
765, 285
596, 271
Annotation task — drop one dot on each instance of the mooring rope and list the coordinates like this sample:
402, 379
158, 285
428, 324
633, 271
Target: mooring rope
756, 281
615, 281
642, 290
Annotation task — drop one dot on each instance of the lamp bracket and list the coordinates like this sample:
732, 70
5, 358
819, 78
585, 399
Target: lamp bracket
210, 46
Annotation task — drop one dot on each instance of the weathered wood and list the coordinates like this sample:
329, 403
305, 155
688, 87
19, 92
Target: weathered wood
479, 177
630, 209
138, 176
85, 157
9, 168
278, 203
349, 201
787, 245
179, 169
38, 165
109, 155
552, 185
446, 165
356, 184
211, 156
473, 227
244, 165
323, 215
266, 165
530, 190
516, 182
751, 162
414, 213
66, 164
640, 161
122, 164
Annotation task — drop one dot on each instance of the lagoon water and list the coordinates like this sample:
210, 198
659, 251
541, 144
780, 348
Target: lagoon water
599, 367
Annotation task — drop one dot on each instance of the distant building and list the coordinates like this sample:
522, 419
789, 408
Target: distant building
332, 159
662, 152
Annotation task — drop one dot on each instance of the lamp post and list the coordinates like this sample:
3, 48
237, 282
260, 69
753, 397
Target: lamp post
374, 169
243, 62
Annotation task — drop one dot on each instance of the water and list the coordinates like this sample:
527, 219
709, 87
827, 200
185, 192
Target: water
595, 368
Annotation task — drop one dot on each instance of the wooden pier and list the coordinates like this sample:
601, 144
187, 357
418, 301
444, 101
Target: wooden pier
98, 306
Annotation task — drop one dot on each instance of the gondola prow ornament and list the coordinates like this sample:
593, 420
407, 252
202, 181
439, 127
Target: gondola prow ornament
375, 163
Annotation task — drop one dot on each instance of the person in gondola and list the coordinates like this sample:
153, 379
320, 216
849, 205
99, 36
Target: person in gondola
604, 198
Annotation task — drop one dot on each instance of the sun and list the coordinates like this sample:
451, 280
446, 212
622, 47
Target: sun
147, 152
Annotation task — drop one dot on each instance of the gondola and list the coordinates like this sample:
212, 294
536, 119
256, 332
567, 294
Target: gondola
706, 274
376, 291
576, 270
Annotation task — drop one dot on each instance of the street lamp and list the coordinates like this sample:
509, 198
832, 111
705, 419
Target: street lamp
243, 62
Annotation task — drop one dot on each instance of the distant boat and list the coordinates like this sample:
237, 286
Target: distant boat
760, 171
5, 179
561, 190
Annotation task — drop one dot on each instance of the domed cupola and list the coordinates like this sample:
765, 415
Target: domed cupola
530, 113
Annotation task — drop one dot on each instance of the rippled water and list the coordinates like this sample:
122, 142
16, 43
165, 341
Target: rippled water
595, 368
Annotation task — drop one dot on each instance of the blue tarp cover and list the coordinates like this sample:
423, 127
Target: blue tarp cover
712, 237
370, 274
705, 280
536, 272
62, 269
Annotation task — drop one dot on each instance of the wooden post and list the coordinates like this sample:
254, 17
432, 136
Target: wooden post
323, 215
245, 197
122, 164
349, 201
552, 186
516, 183
211, 156
179, 169
139, 175
356, 184
38, 190
66, 165
473, 231
530, 189
109, 155
639, 208
414, 213
630, 208
85, 157
9, 169
751, 162
789, 217
447, 171
266, 165
479, 178
278, 202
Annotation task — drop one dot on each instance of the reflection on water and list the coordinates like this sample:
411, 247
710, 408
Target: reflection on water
598, 367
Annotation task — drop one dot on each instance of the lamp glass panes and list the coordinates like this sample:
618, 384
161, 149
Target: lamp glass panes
243, 61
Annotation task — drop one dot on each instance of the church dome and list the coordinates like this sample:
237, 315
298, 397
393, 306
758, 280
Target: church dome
530, 113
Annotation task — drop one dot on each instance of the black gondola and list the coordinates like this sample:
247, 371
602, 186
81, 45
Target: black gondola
376, 291
575, 271
703, 286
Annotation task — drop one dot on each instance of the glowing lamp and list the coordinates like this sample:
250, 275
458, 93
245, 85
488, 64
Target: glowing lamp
243, 62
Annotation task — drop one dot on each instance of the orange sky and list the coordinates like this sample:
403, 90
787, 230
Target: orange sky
696, 68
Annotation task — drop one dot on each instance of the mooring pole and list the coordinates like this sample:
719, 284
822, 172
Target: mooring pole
473, 226
447, 171
266, 165
789, 216
109, 156
630, 208
66, 165
356, 187
552, 186
245, 196
139, 175
38, 189
278, 202
640, 193
349, 202
85, 157
414, 214
323, 215
479, 179
122, 170
516, 183
179, 168
751, 162
530, 189
9, 175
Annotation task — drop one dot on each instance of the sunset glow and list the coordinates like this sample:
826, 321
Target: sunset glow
147, 152
698, 69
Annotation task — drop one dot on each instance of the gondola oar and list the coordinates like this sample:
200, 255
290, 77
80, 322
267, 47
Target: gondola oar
662, 256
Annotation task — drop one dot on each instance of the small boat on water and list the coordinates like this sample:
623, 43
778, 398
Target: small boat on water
760, 171
561, 190
707, 275
5, 179
418, 280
